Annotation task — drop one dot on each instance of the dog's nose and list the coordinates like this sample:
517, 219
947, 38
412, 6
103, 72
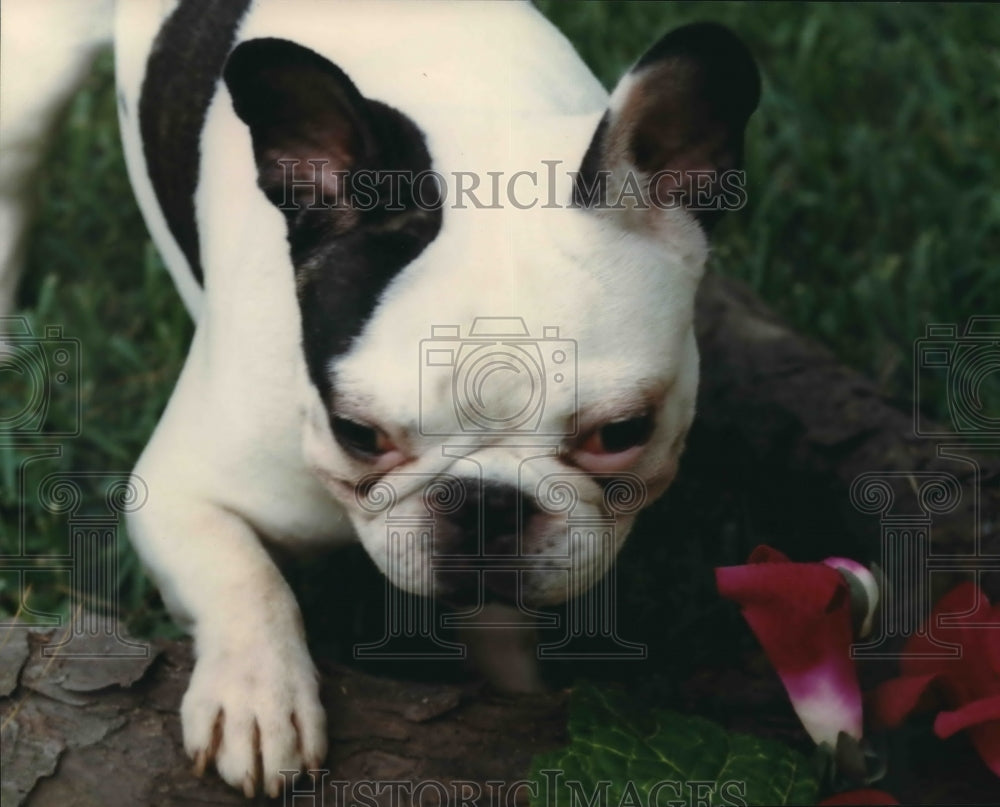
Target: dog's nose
491, 520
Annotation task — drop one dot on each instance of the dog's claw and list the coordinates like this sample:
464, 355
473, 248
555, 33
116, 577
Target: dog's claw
200, 763
235, 712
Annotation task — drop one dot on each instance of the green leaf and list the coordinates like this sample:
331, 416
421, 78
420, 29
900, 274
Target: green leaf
623, 753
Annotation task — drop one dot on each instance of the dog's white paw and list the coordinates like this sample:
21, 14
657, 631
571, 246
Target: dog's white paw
254, 714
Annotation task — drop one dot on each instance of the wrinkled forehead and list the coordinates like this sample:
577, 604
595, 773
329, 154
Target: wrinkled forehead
622, 299
514, 253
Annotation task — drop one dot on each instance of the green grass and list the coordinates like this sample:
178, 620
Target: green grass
873, 210
92, 270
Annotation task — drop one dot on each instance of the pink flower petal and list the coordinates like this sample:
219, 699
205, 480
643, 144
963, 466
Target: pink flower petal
827, 700
800, 613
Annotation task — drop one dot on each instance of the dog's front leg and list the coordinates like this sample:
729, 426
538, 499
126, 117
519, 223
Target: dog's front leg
253, 704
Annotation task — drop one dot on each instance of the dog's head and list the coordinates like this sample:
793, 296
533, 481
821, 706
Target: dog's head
510, 374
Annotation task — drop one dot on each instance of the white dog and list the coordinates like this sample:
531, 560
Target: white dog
422, 247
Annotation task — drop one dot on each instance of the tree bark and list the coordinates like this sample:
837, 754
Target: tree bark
103, 732
783, 421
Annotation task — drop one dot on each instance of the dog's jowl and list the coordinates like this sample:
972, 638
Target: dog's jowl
438, 274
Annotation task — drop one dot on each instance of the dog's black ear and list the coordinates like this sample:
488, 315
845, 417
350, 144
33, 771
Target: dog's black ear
299, 107
673, 132
314, 133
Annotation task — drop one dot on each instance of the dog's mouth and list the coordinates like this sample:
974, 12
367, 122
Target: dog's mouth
522, 589
464, 589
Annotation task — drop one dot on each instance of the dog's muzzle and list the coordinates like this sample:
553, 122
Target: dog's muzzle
485, 540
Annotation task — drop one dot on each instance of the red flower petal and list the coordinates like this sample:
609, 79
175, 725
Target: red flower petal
863, 796
785, 604
969, 714
766, 554
965, 599
969, 682
894, 700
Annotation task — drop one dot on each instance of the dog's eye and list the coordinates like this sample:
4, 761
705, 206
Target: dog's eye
620, 435
616, 444
359, 438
